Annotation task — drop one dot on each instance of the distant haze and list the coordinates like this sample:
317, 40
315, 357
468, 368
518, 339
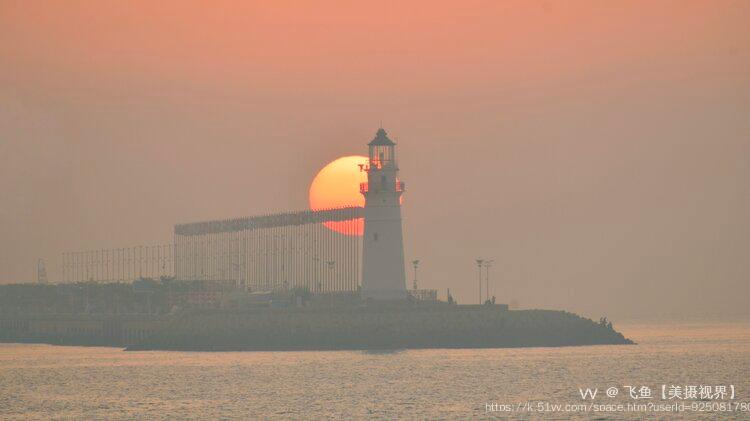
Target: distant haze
598, 151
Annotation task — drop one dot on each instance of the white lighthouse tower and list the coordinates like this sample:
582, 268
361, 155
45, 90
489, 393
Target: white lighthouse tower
383, 276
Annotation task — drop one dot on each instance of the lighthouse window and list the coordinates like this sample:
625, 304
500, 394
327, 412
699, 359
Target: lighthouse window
374, 236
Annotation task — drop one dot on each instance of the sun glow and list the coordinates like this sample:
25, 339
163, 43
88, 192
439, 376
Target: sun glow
337, 185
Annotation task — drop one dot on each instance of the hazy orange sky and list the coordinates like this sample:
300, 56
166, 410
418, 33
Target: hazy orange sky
599, 151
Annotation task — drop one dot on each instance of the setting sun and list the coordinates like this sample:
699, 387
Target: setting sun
337, 185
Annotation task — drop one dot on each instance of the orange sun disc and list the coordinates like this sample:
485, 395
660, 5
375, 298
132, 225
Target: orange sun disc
336, 186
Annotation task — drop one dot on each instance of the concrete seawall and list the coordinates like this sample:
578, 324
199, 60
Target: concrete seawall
79, 329
311, 328
378, 328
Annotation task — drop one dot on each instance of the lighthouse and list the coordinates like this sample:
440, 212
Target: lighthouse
383, 276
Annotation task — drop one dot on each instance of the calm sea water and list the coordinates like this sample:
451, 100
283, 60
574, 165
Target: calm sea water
41, 381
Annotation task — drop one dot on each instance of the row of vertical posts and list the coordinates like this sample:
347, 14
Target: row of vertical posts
318, 251
304, 253
121, 264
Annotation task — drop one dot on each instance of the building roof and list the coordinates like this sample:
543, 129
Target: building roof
381, 138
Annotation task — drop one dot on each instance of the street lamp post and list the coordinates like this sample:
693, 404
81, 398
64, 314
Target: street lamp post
415, 263
479, 267
487, 264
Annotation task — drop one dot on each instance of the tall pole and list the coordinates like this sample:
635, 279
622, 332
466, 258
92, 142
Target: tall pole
487, 278
479, 267
415, 263
487, 264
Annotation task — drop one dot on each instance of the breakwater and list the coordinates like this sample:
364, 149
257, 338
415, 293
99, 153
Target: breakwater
316, 328
378, 327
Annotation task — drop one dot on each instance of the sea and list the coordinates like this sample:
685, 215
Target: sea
677, 370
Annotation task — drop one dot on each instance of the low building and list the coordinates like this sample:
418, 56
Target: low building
423, 294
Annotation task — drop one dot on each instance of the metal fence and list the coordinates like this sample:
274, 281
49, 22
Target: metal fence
317, 250
120, 264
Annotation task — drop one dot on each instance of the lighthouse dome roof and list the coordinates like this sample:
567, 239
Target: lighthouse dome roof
381, 138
